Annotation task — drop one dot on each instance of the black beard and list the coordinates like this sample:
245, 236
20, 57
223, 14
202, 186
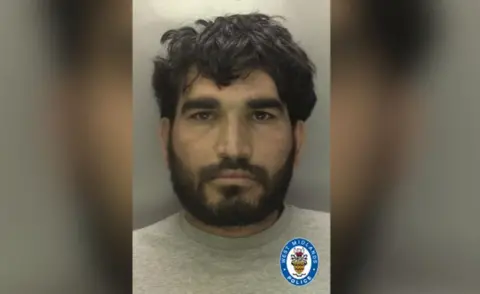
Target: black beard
232, 211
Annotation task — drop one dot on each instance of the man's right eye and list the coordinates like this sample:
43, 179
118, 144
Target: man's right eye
202, 116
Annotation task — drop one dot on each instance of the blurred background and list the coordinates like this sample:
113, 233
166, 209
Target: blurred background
52, 240
40, 235
429, 241
153, 198
429, 238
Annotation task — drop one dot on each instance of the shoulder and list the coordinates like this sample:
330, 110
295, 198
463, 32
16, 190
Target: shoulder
311, 218
154, 234
151, 245
314, 225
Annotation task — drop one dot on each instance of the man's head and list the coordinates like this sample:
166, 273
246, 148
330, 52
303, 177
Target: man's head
375, 47
233, 94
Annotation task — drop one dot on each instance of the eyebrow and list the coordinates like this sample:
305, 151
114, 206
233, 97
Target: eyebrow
209, 103
201, 103
264, 103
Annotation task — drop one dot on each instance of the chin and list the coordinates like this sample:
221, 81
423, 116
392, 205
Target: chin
243, 199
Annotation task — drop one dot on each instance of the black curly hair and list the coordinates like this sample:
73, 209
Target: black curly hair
228, 48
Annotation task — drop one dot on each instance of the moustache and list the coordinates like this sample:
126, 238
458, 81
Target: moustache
213, 171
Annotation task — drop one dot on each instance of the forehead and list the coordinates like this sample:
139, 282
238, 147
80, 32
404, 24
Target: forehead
256, 84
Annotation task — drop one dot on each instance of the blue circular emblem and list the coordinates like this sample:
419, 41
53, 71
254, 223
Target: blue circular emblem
299, 262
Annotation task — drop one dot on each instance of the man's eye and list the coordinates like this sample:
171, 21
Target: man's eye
262, 116
204, 115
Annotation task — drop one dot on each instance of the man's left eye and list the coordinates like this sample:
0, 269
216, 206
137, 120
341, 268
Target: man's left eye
262, 116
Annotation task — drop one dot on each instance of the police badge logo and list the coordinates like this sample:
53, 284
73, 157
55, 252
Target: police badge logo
299, 262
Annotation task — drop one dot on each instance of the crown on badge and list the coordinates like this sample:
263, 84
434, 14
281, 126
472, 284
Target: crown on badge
299, 252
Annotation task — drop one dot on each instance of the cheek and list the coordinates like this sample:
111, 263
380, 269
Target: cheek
271, 147
195, 148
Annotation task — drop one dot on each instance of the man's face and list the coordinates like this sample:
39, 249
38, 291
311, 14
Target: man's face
231, 150
368, 119
98, 114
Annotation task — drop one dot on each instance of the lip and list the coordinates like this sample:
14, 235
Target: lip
234, 174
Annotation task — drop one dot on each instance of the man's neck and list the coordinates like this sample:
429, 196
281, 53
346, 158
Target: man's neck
235, 232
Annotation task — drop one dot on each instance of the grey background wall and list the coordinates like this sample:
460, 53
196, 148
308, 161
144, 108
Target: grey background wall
310, 25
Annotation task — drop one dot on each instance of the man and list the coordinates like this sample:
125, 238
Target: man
234, 94
376, 46
94, 120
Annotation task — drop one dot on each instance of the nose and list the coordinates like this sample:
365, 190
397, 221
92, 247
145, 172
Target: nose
234, 140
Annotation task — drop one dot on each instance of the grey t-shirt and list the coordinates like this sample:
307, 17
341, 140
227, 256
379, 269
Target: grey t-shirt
173, 257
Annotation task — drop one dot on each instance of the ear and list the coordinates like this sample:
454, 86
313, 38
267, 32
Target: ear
164, 134
299, 137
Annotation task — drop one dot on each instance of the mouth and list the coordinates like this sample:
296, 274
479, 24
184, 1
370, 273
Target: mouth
234, 175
